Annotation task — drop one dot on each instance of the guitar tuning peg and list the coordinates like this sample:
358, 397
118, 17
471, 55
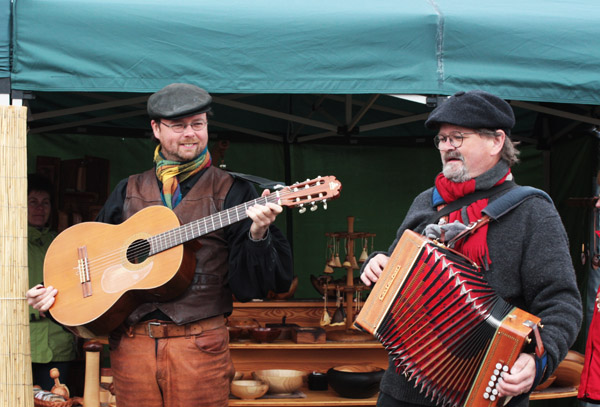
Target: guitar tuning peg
302, 210
313, 207
325, 204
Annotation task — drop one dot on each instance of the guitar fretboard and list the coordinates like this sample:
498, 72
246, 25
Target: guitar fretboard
201, 227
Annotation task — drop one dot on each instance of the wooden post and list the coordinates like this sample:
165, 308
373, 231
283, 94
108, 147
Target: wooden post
91, 390
16, 388
350, 275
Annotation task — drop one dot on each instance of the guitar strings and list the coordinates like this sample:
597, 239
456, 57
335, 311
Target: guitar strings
173, 236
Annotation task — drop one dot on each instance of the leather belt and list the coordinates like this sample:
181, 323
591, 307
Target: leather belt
161, 329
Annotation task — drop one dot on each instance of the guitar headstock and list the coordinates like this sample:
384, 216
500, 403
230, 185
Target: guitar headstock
308, 193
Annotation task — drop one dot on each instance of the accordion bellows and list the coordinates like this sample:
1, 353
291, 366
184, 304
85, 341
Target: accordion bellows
442, 324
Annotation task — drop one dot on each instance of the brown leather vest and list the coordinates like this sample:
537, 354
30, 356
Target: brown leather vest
209, 293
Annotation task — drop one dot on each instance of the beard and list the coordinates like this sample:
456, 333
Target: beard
453, 170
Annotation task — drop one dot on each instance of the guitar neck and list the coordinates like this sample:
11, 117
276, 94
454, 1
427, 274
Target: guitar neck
201, 227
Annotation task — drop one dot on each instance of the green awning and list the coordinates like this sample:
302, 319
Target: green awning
531, 51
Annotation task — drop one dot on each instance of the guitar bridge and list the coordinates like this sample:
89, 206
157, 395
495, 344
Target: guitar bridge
83, 269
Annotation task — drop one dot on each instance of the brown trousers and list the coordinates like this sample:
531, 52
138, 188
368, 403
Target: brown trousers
173, 372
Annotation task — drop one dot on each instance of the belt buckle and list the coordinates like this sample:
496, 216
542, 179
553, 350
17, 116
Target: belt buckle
150, 324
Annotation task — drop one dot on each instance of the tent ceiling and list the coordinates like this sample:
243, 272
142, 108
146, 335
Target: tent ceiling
538, 50
304, 70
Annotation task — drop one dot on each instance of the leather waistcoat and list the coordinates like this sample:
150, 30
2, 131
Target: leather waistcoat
209, 293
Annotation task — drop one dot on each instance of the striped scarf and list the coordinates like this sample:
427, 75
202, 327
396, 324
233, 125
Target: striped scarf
171, 173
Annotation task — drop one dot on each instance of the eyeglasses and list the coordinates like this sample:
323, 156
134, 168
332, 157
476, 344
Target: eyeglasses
180, 127
454, 137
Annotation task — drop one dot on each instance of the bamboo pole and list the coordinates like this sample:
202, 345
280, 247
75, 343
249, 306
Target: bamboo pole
15, 355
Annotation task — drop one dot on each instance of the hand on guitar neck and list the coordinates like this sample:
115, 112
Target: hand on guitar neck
262, 216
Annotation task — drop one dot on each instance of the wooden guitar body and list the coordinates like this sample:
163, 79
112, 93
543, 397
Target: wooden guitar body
118, 280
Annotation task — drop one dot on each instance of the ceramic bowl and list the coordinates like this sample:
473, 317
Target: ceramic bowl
249, 389
281, 381
265, 334
355, 381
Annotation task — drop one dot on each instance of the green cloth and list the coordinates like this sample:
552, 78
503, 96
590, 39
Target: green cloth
49, 341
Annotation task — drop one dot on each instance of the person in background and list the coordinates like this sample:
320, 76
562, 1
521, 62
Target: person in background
176, 353
51, 345
524, 256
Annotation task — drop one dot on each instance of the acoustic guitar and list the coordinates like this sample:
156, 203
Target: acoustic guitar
103, 272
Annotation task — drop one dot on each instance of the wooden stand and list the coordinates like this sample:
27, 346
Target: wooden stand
350, 265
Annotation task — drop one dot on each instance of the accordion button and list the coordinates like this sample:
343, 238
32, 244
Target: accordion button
498, 365
486, 396
494, 378
495, 392
491, 383
496, 372
488, 389
505, 368
492, 398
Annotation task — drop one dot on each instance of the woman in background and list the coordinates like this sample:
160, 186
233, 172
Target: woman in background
51, 345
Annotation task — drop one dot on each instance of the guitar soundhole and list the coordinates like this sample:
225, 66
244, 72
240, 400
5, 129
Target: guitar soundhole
138, 251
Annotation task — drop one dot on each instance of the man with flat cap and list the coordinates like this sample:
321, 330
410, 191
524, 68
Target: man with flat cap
524, 255
176, 353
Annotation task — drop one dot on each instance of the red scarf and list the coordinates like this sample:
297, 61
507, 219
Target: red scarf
475, 245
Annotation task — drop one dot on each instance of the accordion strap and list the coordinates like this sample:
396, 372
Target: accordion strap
500, 207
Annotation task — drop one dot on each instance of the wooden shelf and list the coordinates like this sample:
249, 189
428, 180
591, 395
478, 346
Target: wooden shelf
287, 344
313, 398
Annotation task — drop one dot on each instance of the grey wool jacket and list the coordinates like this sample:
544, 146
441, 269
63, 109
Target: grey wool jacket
530, 268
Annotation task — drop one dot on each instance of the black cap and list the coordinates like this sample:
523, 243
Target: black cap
475, 109
178, 100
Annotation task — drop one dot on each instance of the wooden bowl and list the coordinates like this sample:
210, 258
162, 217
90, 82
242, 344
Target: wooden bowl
234, 333
265, 334
280, 381
568, 372
546, 384
244, 324
249, 389
355, 381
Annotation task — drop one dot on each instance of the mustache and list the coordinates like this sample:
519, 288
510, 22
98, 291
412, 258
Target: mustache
450, 155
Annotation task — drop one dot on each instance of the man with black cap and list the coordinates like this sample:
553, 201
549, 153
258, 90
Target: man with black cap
175, 353
524, 255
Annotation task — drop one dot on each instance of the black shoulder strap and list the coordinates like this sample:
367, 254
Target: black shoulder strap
264, 183
469, 199
511, 200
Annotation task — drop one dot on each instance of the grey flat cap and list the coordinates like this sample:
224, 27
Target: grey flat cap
178, 100
475, 109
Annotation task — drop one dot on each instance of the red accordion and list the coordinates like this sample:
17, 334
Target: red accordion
443, 325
